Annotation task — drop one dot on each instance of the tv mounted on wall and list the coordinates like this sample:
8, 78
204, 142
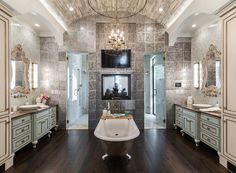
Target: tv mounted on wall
116, 60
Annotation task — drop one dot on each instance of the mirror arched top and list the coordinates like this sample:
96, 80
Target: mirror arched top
19, 70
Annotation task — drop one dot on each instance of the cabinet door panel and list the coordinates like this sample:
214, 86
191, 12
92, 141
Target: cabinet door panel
3, 66
229, 137
230, 64
4, 138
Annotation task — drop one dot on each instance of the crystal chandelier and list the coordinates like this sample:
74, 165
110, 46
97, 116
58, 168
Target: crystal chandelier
116, 40
117, 9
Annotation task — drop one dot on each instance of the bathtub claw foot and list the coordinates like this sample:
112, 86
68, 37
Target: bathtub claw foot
129, 156
104, 156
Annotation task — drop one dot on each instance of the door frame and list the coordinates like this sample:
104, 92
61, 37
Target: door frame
152, 94
67, 78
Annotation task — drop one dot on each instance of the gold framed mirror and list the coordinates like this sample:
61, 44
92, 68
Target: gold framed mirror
211, 66
19, 71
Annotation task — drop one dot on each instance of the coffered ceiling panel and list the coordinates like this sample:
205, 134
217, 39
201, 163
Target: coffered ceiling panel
81, 8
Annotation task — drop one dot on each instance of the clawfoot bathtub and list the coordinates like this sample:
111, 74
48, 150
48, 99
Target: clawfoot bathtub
116, 136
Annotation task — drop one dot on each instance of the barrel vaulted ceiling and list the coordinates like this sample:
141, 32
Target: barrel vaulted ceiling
82, 9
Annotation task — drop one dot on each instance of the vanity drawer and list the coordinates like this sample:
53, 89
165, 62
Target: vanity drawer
21, 142
178, 109
211, 141
21, 120
53, 123
21, 130
210, 129
210, 119
53, 110
53, 115
42, 113
189, 113
179, 123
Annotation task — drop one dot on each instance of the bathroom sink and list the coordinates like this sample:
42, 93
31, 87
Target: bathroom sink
202, 105
28, 107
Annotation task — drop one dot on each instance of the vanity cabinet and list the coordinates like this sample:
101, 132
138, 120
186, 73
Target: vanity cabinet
29, 128
200, 126
210, 131
228, 15
190, 124
178, 117
21, 132
41, 124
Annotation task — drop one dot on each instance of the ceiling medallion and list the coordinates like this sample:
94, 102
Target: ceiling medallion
120, 9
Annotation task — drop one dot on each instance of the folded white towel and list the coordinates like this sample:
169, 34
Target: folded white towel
213, 109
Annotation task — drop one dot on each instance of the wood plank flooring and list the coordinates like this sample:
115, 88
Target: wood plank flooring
154, 151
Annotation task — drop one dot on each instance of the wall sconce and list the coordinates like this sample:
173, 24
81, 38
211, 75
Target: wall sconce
35, 72
196, 75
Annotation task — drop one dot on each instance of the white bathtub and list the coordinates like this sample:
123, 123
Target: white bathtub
116, 135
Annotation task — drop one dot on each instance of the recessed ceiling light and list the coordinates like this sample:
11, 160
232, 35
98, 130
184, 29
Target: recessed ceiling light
81, 28
196, 14
71, 9
37, 25
194, 26
161, 9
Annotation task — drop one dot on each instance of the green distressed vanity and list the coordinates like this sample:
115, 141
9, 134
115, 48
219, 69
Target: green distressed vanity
201, 126
30, 126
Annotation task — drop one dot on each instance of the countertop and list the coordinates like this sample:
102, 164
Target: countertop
190, 107
20, 113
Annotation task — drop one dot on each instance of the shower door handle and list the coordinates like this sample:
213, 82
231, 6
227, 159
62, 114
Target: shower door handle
155, 92
76, 92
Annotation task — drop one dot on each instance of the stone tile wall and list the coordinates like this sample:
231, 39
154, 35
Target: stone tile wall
53, 75
86, 35
178, 69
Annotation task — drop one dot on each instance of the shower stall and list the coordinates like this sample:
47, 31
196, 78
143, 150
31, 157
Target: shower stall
77, 91
154, 91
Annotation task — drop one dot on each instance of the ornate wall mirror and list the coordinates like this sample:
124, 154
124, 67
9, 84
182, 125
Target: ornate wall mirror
211, 64
19, 71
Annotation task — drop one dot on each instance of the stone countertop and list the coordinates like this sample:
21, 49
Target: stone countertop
20, 113
190, 107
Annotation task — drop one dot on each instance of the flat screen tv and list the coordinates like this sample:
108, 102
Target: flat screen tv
116, 60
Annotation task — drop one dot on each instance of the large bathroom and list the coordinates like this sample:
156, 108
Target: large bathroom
133, 86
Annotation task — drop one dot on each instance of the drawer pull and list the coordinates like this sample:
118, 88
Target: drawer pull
208, 119
22, 130
208, 128
22, 120
23, 141
208, 140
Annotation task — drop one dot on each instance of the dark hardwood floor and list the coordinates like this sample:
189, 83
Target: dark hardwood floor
154, 151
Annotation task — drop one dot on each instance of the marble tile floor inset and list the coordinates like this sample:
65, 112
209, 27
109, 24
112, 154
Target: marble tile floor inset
151, 123
80, 124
